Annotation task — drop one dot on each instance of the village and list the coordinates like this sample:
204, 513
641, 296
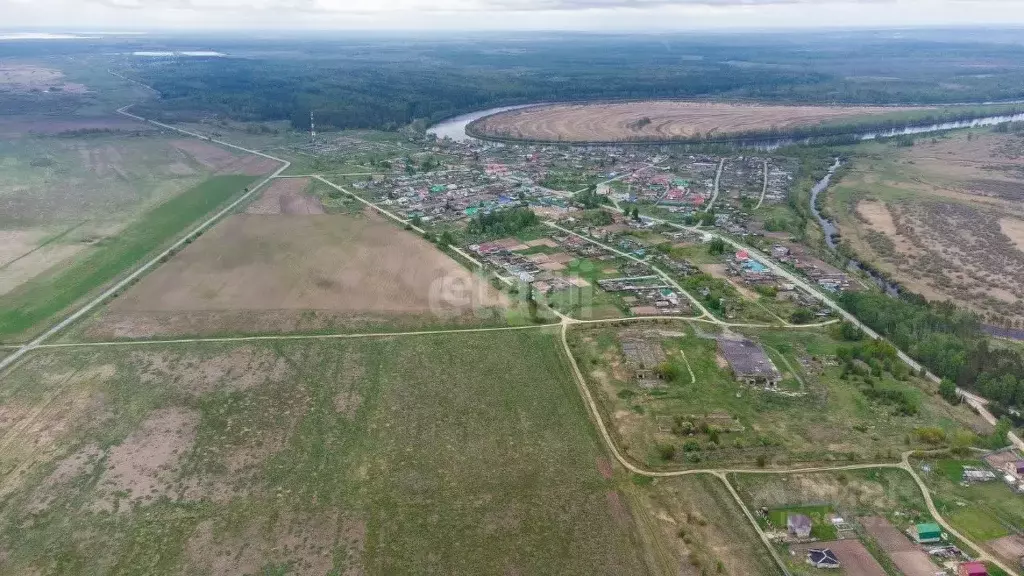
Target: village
628, 257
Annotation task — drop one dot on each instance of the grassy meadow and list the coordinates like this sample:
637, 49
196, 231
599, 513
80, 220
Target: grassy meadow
446, 454
709, 420
23, 309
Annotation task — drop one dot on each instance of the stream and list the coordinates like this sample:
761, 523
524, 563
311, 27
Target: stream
832, 235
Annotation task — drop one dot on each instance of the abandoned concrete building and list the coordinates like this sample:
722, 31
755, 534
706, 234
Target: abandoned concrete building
642, 356
749, 362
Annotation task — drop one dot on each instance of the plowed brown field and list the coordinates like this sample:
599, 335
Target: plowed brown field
287, 272
667, 120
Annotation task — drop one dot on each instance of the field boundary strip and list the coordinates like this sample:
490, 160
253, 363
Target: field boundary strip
280, 337
155, 261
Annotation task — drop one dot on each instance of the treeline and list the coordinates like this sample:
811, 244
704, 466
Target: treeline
347, 94
947, 340
386, 84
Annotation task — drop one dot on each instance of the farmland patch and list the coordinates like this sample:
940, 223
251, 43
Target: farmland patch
273, 477
286, 196
37, 300
658, 120
255, 273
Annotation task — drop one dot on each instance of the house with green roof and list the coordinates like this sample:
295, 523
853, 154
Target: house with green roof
928, 533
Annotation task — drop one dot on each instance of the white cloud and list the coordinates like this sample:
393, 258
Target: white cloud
653, 15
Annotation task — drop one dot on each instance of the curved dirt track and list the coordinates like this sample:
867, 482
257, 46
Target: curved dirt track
656, 120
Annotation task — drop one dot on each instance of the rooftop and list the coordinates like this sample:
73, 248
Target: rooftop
747, 358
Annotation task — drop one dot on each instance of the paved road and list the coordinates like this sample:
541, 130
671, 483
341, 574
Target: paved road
87, 308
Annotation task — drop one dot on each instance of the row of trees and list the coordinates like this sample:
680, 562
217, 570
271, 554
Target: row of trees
946, 339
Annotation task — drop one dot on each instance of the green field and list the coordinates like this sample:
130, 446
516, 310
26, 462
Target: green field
821, 527
711, 420
887, 492
981, 511
38, 300
446, 454
700, 526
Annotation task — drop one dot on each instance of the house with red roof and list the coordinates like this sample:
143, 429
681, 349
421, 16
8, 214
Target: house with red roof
972, 569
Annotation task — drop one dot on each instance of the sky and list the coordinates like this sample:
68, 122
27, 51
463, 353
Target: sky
577, 15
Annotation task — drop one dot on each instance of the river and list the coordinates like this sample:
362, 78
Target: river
455, 128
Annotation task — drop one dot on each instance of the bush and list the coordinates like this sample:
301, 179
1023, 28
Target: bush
669, 372
666, 451
947, 389
931, 435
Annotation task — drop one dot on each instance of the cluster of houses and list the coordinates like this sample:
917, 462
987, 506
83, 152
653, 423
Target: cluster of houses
826, 276
647, 295
799, 527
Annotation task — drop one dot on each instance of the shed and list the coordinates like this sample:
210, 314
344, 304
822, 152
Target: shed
798, 525
822, 558
972, 569
928, 532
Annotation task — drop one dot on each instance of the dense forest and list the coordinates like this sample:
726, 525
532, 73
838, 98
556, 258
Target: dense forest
387, 83
946, 339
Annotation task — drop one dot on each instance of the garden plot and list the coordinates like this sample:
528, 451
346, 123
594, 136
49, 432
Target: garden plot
264, 273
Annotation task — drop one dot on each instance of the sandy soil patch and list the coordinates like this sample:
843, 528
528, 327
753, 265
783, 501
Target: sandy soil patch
1013, 228
31, 433
604, 467
286, 196
239, 369
35, 263
910, 560
306, 541
292, 265
563, 258
618, 509
719, 271
1009, 548
29, 78
67, 470
854, 557
542, 242
877, 215
223, 161
657, 120
17, 243
142, 467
